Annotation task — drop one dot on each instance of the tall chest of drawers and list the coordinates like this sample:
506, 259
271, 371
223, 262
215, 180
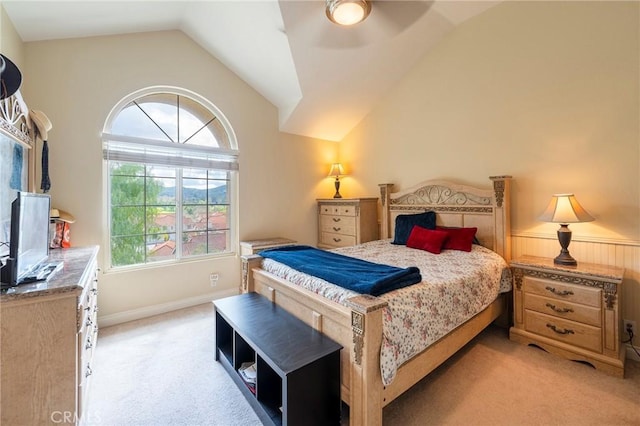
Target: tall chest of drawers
569, 311
347, 221
48, 333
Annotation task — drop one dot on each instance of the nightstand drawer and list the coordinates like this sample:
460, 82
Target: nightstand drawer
566, 292
338, 225
570, 332
337, 240
567, 310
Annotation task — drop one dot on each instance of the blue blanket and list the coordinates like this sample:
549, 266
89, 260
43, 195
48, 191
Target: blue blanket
348, 272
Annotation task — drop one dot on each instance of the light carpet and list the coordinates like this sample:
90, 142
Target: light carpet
161, 371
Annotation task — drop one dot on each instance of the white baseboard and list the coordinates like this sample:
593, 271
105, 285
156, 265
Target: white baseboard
631, 354
148, 311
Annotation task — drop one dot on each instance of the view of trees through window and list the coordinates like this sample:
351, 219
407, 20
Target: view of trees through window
145, 202
159, 208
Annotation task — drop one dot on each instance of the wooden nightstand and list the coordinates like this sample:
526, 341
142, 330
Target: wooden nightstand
347, 221
571, 311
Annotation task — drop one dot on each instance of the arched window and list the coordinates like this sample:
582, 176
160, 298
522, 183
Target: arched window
171, 171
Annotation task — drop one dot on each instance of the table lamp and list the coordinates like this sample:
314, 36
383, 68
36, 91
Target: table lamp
337, 170
565, 209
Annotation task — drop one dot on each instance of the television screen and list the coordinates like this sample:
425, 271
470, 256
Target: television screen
29, 243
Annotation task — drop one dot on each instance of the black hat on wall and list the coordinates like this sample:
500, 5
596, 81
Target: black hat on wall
11, 77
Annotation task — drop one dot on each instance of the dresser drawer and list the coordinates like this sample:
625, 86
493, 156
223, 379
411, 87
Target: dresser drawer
570, 332
347, 221
337, 240
566, 292
87, 334
338, 225
562, 309
326, 209
87, 338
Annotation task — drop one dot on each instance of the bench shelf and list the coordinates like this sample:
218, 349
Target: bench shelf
298, 368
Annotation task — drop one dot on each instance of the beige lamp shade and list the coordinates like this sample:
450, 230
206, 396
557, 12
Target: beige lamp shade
336, 170
564, 208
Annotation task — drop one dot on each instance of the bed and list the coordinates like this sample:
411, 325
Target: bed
357, 321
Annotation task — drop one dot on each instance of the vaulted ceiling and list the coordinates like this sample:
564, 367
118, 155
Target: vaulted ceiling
323, 78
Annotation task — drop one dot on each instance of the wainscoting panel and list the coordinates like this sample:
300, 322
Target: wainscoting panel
623, 254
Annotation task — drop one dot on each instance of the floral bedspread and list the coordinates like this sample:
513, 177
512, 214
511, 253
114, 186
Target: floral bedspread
455, 286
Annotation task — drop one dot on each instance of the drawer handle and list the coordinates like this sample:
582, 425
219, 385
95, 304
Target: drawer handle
559, 293
88, 372
336, 229
336, 219
337, 240
88, 322
94, 291
559, 310
88, 345
565, 331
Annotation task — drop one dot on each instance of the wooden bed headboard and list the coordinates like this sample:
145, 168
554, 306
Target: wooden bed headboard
455, 205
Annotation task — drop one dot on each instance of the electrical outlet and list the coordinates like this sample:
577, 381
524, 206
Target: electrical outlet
629, 324
213, 279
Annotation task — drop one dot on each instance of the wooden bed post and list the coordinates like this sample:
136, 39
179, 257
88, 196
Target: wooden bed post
502, 188
385, 199
248, 263
365, 405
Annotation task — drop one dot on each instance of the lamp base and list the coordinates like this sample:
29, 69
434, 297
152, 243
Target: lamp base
565, 259
564, 237
337, 185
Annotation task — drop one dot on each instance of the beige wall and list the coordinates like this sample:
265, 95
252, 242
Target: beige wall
10, 43
76, 82
545, 91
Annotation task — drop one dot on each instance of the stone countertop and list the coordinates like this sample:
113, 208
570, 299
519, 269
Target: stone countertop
607, 272
68, 279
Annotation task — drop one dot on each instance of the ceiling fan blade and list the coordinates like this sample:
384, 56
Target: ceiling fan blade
398, 15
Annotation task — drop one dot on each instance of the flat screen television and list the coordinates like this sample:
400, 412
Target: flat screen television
29, 240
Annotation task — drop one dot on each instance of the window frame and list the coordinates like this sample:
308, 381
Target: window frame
222, 154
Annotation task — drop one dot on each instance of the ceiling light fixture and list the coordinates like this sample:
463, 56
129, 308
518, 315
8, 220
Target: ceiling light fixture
347, 12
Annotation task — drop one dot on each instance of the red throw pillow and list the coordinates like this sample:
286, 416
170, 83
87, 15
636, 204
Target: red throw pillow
430, 240
458, 238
